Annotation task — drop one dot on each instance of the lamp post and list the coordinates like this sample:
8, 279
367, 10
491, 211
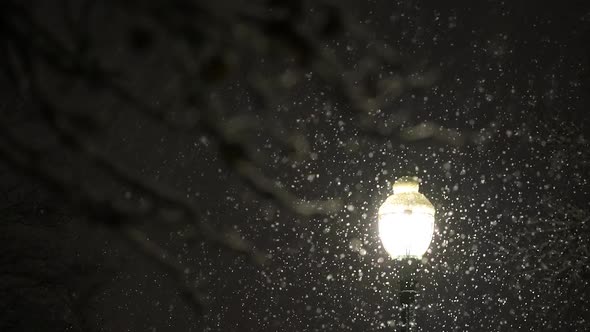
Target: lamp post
406, 225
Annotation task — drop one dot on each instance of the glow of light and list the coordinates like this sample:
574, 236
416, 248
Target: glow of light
406, 221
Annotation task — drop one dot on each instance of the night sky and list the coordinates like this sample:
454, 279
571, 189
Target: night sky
512, 77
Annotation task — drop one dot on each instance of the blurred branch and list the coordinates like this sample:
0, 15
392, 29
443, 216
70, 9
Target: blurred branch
268, 47
161, 258
29, 160
429, 130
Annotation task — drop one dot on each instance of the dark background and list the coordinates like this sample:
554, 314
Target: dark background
513, 74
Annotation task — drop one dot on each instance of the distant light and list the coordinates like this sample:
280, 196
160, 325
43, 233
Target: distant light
406, 220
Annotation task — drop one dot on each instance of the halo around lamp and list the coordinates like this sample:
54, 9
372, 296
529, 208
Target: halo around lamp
406, 220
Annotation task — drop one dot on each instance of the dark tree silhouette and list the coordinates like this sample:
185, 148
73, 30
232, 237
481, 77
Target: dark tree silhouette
82, 67
94, 87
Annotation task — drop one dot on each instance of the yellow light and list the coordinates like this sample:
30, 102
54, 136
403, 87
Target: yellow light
406, 220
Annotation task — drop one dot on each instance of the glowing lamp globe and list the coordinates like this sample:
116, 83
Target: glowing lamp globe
406, 221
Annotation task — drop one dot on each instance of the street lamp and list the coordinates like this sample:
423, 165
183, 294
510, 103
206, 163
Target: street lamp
406, 225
